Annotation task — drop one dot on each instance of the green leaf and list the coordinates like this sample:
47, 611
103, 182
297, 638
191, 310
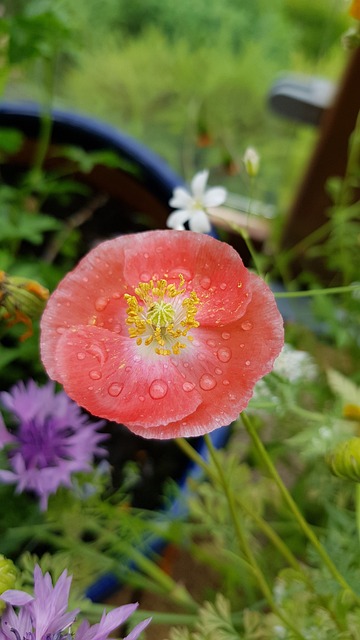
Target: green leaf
10, 140
30, 228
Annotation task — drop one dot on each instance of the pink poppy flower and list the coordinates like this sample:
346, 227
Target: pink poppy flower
164, 331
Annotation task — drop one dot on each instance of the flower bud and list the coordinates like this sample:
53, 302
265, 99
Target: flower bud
22, 299
7, 576
251, 161
344, 461
354, 9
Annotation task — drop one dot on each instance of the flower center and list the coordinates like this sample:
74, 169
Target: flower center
41, 444
161, 315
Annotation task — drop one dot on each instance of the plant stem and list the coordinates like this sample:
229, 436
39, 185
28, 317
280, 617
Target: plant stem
264, 527
317, 292
306, 529
243, 542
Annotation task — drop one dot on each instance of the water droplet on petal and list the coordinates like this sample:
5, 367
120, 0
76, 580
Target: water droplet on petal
188, 386
247, 363
247, 325
101, 304
137, 358
225, 382
158, 389
241, 345
211, 343
145, 277
98, 352
223, 286
225, 335
116, 295
201, 356
141, 398
224, 354
81, 355
95, 375
218, 371
205, 282
60, 330
207, 382
85, 279
115, 389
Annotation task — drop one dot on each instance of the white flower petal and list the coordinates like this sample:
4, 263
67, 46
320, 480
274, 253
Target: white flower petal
214, 196
177, 219
200, 222
198, 184
181, 199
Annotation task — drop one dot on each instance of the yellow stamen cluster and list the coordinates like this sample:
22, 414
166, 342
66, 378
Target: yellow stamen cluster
155, 317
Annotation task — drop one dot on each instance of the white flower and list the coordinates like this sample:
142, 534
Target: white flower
192, 207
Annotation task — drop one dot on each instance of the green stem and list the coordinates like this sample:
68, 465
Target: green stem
260, 449
242, 540
317, 292
263, 526
357, 508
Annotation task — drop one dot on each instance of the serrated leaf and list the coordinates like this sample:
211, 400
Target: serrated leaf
29, 227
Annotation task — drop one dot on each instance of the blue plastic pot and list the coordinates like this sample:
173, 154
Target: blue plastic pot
143, 183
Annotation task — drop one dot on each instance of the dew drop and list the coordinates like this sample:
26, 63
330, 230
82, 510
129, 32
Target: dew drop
241, 345
116, 295
146, 255
95, 375
225, 335
145, 277
137, 358
201, 356
223, 286
211, 343
85, 279
81, 355
188, 386
224, 354
117, 328
207, 382
246, 326
158, 389
90, 388
247, 362
115, 389
98, 352
225, 382
60, 330
101, 304
205, 282
141, 398
218, 371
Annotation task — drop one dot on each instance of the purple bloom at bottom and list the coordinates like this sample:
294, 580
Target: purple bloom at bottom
44, 616
52, 438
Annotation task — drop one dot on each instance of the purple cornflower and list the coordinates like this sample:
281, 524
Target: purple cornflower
51, 440
44, 616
